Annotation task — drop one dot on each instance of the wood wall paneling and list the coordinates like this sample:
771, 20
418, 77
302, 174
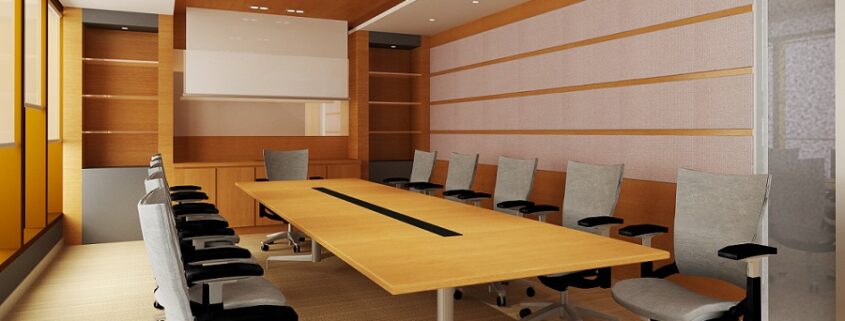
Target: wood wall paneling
118, 149
501, 18
120, 115
127, 80
421, 114
390, 60
391, 89
116, 44
234, 204
203, 177
391, 147
241, 148
72, 124
359, 111
353, 11
343, 171
390, 117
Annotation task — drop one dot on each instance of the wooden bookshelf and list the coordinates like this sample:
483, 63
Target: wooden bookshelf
120, 91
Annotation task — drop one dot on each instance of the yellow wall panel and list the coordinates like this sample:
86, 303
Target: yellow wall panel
10, 165
54, 177
36, 168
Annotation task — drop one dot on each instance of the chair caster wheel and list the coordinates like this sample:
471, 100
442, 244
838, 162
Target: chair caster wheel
524, 313
530, 292
157, 306
458, 295
296, 248
501, 301
265, 247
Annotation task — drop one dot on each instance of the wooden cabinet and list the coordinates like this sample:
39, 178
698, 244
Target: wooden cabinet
235, 205
202, 177
218, 181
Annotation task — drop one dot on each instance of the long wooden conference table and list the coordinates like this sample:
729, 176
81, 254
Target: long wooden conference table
408, 242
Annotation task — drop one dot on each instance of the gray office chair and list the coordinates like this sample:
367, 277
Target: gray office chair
459, 178
255, 299
421, 171
589, 201
716, 216
514, 178
283, 165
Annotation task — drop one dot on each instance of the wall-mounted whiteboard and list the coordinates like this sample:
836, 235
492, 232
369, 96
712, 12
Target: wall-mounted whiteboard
259, 55
7, 71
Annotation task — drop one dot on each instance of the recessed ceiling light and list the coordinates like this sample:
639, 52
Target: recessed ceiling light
392, 46
432, 19
291, 11
300, 11
475, 2
124, 28
263, 8
254, 7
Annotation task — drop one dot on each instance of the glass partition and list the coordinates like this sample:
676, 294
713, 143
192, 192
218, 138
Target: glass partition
7, 72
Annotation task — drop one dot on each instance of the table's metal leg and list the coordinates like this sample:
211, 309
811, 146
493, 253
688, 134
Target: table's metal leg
316, 251
445, 304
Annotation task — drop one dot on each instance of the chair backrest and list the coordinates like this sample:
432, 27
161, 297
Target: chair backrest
514, 178
162, 253
461, 171
284, 165
591, 190
713, 211
423, 166
154, 181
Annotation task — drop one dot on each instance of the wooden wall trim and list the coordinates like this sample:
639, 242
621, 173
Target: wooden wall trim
72, 125
624, 34
248, 148
604, 132
501, 18
602, 85
359, 96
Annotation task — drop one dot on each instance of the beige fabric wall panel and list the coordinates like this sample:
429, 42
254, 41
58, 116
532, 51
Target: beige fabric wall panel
715, 103
712, 45
654, 158
569, 24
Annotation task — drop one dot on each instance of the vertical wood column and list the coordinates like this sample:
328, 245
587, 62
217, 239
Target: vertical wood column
72, 125
165, 90
359, 97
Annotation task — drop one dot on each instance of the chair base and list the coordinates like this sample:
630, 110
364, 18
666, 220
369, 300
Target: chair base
316, 256
566, 309
290, 235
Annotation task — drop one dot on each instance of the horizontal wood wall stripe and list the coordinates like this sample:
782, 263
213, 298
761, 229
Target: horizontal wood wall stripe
624, 34
501, 18
603, 132
612, 84
246, 148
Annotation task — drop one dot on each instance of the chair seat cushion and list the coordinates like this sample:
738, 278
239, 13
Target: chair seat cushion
664, 300
206, 232
245, 293
188, 196
423, 185
182, 188
193, 207
201, 225
218, 253
253, 313
560, 282
197, 274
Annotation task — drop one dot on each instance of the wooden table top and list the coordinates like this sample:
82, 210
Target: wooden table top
403, 258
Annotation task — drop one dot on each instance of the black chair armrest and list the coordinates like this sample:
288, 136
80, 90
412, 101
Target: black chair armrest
183, 196
201, 225
457, 192
221, 253
599, 221
423, 185
512, 204
183, 188
262, 180
316, 177
200, 273
642, 230
473, 195
746, 250
394, 180
530, 209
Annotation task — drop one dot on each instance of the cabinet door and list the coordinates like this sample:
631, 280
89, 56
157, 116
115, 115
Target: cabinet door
344, 171
317, 170
202, 177
234, 204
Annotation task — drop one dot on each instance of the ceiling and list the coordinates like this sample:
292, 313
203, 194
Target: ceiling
354, 11
144, 6
414, 18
